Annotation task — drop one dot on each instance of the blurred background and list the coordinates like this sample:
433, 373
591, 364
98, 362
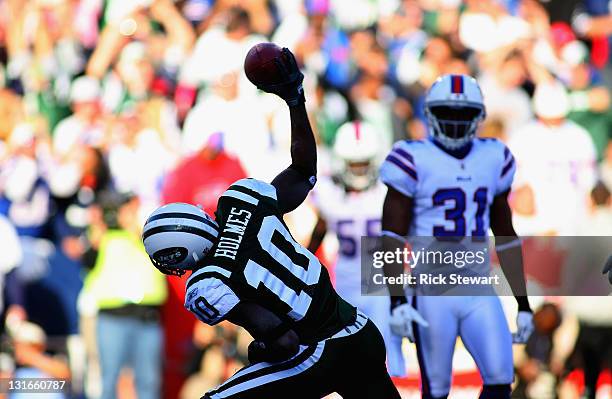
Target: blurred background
109, 108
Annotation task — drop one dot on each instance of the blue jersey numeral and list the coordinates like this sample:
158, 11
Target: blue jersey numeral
456, 214
480, 198
348, 238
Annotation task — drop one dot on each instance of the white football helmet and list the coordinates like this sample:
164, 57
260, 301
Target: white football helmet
454, 108
177, 236
357, 145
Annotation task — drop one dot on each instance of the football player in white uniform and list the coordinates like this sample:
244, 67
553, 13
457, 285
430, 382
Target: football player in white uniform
455, 185
348, 205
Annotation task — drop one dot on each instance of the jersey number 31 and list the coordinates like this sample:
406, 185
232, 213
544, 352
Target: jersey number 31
456, 214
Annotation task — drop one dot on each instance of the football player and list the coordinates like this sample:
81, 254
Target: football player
348, 205
248, 269
453, 184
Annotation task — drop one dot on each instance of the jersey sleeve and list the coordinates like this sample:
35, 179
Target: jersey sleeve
210, 300
252, 191
507, 171
399, 170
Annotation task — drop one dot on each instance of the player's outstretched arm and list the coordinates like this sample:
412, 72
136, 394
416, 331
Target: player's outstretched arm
396, 220
294, 183
510, 254
274, 340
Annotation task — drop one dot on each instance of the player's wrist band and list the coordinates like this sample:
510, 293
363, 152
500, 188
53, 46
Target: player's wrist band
397, 301
507, 245
523, 303
297, 100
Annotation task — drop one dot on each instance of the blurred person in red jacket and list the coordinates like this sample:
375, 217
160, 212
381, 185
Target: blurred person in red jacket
199, 179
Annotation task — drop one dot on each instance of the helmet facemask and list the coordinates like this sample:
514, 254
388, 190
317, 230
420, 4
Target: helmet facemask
454, 126
170, 270
178, 236
359, 175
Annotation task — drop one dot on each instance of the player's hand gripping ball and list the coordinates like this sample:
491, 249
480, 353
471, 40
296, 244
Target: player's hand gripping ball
275, 70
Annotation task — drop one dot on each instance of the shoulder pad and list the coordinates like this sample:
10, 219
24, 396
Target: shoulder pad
399, 169
209, 299
251, 191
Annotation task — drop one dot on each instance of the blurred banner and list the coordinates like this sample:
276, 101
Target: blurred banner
554, 266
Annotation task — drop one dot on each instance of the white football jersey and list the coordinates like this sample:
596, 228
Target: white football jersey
350, 216
451, 196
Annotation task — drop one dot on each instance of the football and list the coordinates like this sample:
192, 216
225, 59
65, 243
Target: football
260, 64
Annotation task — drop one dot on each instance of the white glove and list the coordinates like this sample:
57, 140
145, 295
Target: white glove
608, 269
401, 321
524, 324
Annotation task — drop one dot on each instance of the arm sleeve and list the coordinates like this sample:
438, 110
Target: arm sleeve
507, 171
210, 300
399, 171
292, 187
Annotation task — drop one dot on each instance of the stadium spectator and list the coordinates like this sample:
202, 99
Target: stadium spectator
590, 99
605, 168
227, 40
128, 295
11, 289
210, 115
24, 193
85, 126
556, 167
536, 368
141, 151
592, 351
501, 85
598, 222
202, 177
33, 359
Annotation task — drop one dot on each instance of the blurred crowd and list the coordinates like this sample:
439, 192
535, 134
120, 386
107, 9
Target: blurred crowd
109, 108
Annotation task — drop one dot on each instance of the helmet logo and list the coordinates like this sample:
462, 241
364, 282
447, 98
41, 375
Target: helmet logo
170, 256
454, 108
456, 84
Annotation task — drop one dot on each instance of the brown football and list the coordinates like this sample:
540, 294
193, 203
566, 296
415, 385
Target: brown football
260, 64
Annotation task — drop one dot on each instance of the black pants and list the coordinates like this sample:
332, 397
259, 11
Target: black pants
351, 363
594, 347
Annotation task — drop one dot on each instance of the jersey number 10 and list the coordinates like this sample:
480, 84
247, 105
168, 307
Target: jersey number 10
295, 297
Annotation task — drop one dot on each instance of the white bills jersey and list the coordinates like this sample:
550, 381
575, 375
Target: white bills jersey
349, 216
451, 196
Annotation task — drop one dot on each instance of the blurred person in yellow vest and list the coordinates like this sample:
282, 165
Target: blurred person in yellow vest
127, 294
